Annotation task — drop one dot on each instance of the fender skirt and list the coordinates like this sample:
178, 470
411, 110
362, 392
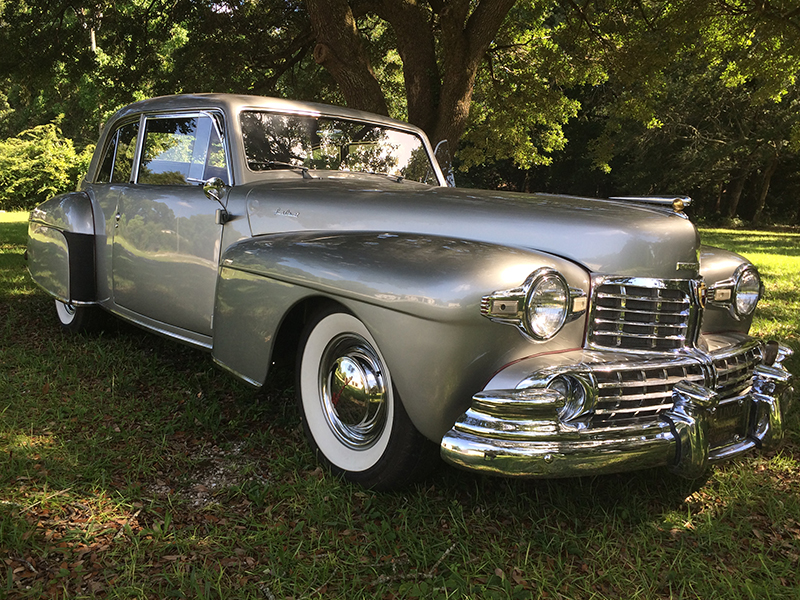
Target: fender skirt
61, 248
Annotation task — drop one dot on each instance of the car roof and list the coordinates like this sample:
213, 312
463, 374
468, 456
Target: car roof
232, 105
235, 103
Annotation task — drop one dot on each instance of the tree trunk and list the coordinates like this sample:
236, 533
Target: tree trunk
417, 48
465, 41
718, 206
736, 194
339, 50
438, 98
762, 196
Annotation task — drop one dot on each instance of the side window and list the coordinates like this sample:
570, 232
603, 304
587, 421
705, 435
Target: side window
126, 148
216, 164
176, 150
104, 174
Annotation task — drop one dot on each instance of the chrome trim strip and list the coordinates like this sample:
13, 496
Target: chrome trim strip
657, 200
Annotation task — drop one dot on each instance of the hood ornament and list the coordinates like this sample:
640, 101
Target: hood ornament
677, 203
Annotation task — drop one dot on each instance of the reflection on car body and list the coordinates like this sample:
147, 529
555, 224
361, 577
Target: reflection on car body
521, 335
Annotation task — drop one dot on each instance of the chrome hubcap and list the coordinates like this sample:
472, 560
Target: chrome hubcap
353, 391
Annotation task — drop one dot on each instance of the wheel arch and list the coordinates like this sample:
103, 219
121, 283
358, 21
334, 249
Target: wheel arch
290, 331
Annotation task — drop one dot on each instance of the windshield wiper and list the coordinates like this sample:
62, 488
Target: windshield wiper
272, 164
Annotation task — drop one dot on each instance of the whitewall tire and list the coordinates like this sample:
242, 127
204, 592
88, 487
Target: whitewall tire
76, 319
352, 416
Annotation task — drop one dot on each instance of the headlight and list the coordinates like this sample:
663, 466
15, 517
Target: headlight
539, 307
746, 291
547, 305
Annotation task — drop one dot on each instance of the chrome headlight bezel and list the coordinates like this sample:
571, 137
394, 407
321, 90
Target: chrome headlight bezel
731, 294
514, 306
548, 293
745, 299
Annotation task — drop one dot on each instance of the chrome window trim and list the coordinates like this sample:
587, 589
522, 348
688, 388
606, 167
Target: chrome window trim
112, 139
193, 113
114, 136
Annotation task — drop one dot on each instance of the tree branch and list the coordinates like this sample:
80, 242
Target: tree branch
339, 50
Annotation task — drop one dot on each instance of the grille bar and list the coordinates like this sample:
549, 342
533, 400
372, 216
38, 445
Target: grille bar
635, 409
669, 381
637, 296
643, 336
628, 310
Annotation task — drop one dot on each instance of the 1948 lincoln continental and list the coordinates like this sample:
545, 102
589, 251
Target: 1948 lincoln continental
514, 334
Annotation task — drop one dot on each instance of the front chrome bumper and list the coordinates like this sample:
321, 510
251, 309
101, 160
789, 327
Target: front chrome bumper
519, 432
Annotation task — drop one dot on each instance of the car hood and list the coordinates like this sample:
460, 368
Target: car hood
605, 236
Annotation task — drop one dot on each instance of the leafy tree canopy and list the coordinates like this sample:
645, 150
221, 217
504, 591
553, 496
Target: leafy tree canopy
665, 92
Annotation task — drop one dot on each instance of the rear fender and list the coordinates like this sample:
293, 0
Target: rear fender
61, 248
418, 295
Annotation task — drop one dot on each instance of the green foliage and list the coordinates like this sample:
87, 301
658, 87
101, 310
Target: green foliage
520, 102
38, 164
675, 97
659, 96
701, 97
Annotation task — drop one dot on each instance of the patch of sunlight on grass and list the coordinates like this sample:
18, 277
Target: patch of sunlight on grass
21, 441
13, 217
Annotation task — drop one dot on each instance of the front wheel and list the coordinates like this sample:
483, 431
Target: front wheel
353, 418
76, 319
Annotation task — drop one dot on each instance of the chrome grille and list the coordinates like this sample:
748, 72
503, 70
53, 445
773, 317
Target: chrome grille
625, 394
631, 316
735, 372
629, 393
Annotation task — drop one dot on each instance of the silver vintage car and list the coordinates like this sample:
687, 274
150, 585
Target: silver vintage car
514, 334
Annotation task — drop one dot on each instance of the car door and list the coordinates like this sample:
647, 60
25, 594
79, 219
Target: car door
166, 237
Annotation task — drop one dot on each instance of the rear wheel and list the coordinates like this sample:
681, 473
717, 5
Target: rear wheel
76, 319
352, 416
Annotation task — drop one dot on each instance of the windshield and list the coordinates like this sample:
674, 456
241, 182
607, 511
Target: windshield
283, 141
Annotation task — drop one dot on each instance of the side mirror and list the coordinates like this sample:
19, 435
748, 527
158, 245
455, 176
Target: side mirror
213, 188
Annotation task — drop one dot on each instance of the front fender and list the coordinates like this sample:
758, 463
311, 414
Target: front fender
717, 266
61, 247
418, 295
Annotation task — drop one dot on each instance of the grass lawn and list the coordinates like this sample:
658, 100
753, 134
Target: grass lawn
130, 467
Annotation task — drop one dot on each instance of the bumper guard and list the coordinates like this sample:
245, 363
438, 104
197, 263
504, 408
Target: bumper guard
519, 433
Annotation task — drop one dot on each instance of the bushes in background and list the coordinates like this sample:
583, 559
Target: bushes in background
37, 164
